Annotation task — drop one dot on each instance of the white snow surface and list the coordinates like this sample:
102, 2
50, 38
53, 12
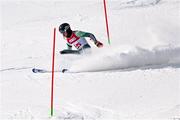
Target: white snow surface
136, 77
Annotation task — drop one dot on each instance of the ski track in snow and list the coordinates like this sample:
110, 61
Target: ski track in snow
14, 69
136, 3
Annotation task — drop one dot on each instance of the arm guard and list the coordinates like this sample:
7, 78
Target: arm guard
69, 46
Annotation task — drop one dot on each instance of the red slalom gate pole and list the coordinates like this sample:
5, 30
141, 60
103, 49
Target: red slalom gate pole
107, 28
52, 83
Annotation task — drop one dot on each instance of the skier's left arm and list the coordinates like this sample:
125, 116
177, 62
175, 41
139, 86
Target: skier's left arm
91, 36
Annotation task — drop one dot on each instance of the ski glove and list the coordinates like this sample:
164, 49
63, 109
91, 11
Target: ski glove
98, 44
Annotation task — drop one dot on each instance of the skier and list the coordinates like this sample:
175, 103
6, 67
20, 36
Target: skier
77, 38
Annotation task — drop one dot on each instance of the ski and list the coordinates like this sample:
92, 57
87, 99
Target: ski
37, 70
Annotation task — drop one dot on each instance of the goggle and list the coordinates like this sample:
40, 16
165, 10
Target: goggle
65, 29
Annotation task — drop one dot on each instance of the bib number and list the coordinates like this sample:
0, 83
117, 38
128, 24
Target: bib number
78, 45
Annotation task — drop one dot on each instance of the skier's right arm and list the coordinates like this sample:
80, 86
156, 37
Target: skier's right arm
91, 36
86, 34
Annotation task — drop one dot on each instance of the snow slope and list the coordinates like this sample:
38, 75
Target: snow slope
136, 77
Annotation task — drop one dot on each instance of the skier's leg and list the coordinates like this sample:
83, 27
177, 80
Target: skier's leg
85, 49
80, 51
66, 51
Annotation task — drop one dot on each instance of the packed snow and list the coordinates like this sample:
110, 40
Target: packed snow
136, 77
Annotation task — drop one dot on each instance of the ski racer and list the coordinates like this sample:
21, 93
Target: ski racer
77, 39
